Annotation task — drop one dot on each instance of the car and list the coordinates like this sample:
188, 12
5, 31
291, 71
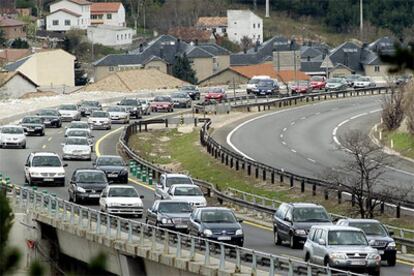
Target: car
336, 84
402, 80
86, 184
350, 79
167, 180
341, 247
300, 87
100, 120
253, 82
76, 148
145, 106
44, 168
170, 214
266, 87
181, 99
378, 234
187, 192
114, 168
83, 133
69, 112
216, 94
50, 117
318, 82
216, 223
121, 200
12, 136
77, 125
292, 221
191, 91
33, 125
162, 103
118, 114
87, 107
133, 106
364, 82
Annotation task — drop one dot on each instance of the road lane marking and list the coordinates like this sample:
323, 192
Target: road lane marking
50, 139
303, 118
292, 150
311, 160
60, 131
292, 123
404, 262
98, 143
141, 184
281, 136
44, 146
284, 143
284, 129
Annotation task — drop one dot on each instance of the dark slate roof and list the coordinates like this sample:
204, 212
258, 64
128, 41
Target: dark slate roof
50, 34
311, 66
214, 49
348, 54
248, 59
121, 59
15, 65
308, 51
368, 57
198, 52
382, 44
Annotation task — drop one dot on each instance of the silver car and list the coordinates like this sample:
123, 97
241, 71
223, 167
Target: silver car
69, 112
341, 247
12, 136
76, 148
100, 120
118, 114
336, 84
73, 132
181, 99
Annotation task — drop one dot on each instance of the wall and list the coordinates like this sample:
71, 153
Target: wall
203, 67
156, 64
101, 72
225, 77
370, 70
285, 60
339, 72
83, 10
14, 32
110, 37
17, 87
61, 17
244, 23
223, 62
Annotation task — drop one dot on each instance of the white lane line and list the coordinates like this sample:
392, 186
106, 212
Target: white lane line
292, 123
359, 115
303, 118
281, 136
317, 113
284, 143
50, 139
292, 150
311, 160
284, 129
44, 146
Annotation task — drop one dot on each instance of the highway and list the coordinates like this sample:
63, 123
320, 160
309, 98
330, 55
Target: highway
256, 237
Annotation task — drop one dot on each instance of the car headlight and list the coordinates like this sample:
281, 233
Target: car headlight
300, 232
207, 232
35, 174
239, 232
135, 109
165, 221
80, 190
391, 245
374, 256
338, 256
61, 174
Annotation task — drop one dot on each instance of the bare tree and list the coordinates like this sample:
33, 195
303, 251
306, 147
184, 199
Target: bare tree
392, 110
245, 43
408, 103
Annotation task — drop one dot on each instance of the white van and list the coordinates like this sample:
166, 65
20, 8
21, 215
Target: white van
253, 81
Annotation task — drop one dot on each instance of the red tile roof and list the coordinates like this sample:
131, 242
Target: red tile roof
105, 7
189, 34
214, 21
10, 22
10, 55
267, 69
67, 11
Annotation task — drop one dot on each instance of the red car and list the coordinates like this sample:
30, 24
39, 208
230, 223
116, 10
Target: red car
318, 83
162, 103
216, 94
300, 87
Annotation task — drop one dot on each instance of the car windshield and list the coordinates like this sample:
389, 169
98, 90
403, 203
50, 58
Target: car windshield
162, 99
216, 90
179, 95
78, 133
346, 237
78, 125
91, 177
46, 161
353, 77
189, 87
254, 81
68, 107
76, 141
129, 102
370, 228
100, 114
363, 79
217, 216
178, 180
316, 78
187, 191
90, 103
265, 83
12, 130
336, 80
48, 113
32, 120
122, 192
310, 214
116, 109
174, 207
109, 161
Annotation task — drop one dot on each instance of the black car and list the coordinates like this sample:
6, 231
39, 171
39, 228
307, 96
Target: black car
266, 87
170, 214
87, 107
33, 125
50, 117
86, 184
216, 223
192, 91
292, 222
378, 236
133, 106
114, 168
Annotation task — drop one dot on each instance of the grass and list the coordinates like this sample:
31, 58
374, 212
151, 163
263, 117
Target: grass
403, 142
185, 154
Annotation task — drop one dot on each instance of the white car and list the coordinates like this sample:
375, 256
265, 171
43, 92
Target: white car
76, 132
100, 120
69, 112
167, 180
77, 125
12, 136
76, 148
188, 192
364, 82
121, 200
145, 106
44, 168
118, 114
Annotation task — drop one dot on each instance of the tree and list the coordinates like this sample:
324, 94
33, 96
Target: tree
402, 59
182, 69
392, 110
19, 43
245, 43
81, 78
2, 38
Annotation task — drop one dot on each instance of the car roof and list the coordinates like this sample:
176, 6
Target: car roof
12, 126
88, 170
176, 175
45, 153
360, 220
171, 200
121, 186
331, 227
183, 185
77, 137
213, 208
109, 156
305, 205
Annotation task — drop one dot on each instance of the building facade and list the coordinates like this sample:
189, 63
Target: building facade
242, 23
14, 85
12, 28
69, 14
108, 13
107, 35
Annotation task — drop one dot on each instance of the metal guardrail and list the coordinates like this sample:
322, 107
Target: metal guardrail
131, 231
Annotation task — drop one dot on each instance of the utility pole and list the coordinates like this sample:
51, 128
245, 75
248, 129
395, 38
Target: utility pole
267, 8
361, 19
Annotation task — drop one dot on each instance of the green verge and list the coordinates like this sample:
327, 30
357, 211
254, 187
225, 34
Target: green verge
403, 142
182, 152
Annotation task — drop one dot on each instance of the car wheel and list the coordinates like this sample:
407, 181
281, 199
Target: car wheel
42, 133
326, 261
276, 238
392, 261
375, 271
292, 242
24, 146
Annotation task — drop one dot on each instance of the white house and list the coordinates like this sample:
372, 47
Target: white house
108, 13
214, 24
110, 35
242, 23
68, 14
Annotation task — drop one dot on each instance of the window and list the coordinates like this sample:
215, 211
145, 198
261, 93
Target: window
82, 21
254, 26
235, 22
258, 25
67, 22
377, 68
223, 30
55, 22
254, 36
122, 36
117, 37
109, 16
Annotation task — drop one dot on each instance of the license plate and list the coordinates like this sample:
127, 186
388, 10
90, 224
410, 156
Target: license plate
94, 195
112, 175
224, 238
47, 179
380, 252
30, 130
47, 122
181, 226
98, 124
358, 262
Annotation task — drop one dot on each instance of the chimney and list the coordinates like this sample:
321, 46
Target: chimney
256, 45
141, 48
178, 45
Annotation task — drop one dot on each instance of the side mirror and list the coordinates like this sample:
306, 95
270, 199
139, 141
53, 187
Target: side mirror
240, 220
94, 164
197, 220
141, 196
170, 193
321, 242
65, 165
287, 219
103, 195
117, 103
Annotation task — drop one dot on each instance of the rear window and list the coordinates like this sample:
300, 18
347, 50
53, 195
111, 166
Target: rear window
178, 180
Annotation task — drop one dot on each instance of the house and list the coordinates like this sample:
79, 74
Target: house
12, 28
47, 68
312, 58
286, 55
109, 35
15, 84
241, 23
8, 55
215, 24
108, 13
68, 14
192, 34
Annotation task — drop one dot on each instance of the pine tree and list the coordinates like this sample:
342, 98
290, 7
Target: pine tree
182, 69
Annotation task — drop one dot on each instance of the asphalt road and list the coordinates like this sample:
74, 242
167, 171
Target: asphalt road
12, 162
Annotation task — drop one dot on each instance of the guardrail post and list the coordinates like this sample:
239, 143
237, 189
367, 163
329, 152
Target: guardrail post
166, 122
195, 121
166, 250
237, 164
98, 223
118, 228
227, 160
264, 175
153, 244
281, 178
178, 252
192, 249
257, 172
290, 273
238, 261
326, 194
403, 247
222, 257
353, 200
249, 169
207, 254
72, 215
382, 207
222, 157
141, 234
398, 210
272, 266
302, 185
291, 181
308, 269
231, 162
272, 177
339, 196
108, 226
314, 189
254, 264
